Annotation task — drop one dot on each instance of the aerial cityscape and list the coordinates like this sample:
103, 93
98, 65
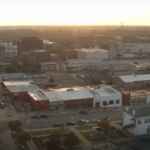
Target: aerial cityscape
74, 75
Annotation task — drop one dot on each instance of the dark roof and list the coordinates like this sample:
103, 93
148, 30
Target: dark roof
140, 112
107, 63
29, 39
12, 76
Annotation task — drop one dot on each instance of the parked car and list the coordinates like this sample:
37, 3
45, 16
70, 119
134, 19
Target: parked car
83, 112
70, 123
44, 116
95, 121
2, 105
83, 121
35, 116
57, 125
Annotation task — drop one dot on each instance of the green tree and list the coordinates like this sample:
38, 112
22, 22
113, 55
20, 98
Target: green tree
25, 69
11, 69
14, 125
53, 144
16, 64
22, 137
105, 124
51, 80
71, 140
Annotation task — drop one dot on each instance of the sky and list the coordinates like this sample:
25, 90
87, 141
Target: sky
74, 12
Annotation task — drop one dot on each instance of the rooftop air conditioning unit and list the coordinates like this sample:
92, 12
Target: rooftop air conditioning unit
70, 89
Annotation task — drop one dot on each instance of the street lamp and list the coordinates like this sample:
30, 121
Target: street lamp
116, 116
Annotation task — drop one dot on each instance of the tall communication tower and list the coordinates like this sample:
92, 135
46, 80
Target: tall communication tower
121, 28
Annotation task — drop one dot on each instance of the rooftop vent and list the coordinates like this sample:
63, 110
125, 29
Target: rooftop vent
70, 89
97, 87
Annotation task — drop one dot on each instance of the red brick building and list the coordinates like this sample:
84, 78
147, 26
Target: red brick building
18, 89
38, 100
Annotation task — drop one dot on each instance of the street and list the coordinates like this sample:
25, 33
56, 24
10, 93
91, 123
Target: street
30, 123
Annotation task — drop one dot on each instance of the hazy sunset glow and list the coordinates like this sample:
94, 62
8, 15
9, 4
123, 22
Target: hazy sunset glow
74, 12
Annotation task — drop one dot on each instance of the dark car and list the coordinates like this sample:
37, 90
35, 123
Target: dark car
83, 112
58, 125
35, 116
2, 105
70, 123
44, 116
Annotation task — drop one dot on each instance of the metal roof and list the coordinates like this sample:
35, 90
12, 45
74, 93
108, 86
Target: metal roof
63, 94
103, 91
37, 95
140, 112
22, 88
12, 76
133, 78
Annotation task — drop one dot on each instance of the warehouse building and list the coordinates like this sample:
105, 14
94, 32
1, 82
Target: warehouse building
105, 96
18, 89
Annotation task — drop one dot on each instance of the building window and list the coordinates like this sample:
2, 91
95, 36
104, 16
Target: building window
139, 121
146, 121
105, 103
117, 101
111, 102
40, 107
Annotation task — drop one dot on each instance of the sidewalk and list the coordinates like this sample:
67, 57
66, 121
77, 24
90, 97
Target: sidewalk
8, 141
80, 136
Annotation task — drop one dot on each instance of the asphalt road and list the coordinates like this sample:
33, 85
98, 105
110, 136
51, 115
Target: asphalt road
63, 118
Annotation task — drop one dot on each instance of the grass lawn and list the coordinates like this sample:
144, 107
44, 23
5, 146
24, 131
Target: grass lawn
84, 127
87, 135
44, 132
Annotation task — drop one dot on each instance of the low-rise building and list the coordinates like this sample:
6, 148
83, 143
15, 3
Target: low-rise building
10, 54
92, 54
12, 76
133, 81
18, 89
112, 65
105, 96
35, 56
48, 66
38, 100
134, 97
69, 98
137, 120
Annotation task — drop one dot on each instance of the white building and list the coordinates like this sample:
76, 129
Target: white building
137, 120
105, 96
47, 66
110, 65
10, 54
77, 64
92, 54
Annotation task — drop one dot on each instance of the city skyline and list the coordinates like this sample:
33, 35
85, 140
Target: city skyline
66, 12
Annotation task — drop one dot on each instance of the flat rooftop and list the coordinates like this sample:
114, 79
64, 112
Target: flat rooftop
108, 63
37, 95
12, 76
67, 94
22, 88
103, 91
27, 82
133, 78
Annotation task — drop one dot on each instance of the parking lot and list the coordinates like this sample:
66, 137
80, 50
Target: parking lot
62, 80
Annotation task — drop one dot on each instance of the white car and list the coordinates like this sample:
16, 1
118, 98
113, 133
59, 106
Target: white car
95, 121
83, 121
